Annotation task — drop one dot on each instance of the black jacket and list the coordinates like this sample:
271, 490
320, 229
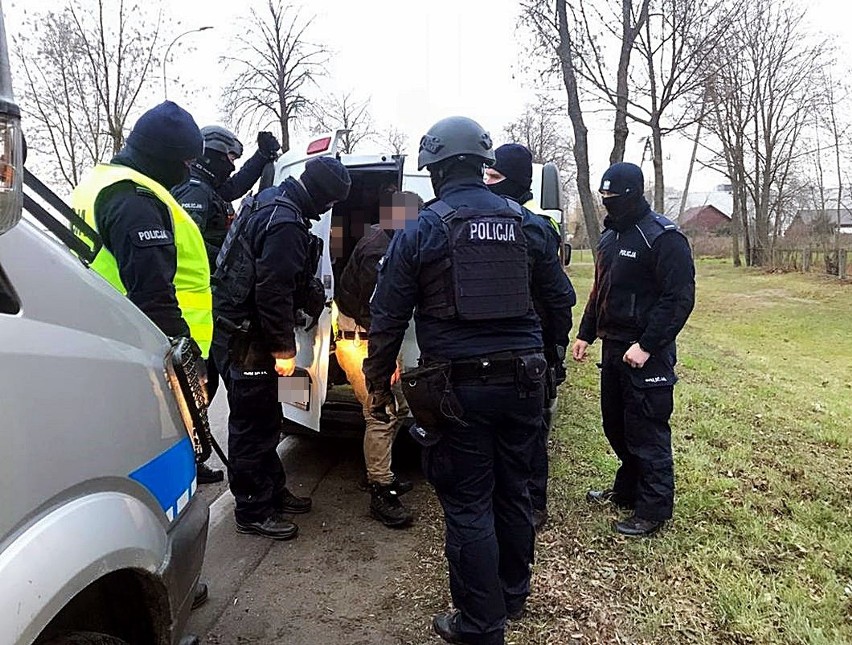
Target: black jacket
210, 205
644, 285
424, 242
279, 238
146, 263
358, 279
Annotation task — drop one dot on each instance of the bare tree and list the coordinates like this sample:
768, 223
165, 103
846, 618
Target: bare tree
765, 95
275, 65
84, 70
395, 139
120, 52
592, 52
344, 111
542, 129
556, 40
676, 54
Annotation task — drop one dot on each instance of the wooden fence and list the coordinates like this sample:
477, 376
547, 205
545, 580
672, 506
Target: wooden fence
809, 260
805, 260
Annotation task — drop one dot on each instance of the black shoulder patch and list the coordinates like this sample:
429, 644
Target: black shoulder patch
151, 236
146, 192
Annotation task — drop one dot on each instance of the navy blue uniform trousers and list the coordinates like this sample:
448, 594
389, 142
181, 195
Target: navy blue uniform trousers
636, 424
540, 464
257, 478
481, 472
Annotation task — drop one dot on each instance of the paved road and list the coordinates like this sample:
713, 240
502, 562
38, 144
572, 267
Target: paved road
332, 584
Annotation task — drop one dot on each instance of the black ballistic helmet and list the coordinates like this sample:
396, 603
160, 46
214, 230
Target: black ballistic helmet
455, 136
221, 140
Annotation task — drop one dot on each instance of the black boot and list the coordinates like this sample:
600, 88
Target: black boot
445, 627
295, 505
635, 526
206, 475
607, 496
386, 507
276, 526
401, 486
200, 595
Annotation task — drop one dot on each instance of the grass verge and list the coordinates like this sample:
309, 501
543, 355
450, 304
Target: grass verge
760, 550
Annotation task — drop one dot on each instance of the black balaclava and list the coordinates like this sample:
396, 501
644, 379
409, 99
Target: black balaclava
514, 162
215, 166
628, 205
326, 181
162, 141
463, 167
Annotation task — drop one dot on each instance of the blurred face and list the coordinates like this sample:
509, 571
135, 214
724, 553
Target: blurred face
493, 177
396, 210
232, 157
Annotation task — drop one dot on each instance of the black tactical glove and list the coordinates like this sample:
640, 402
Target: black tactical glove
381, 404
268, 145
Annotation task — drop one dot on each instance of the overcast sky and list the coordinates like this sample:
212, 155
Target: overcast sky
418, 61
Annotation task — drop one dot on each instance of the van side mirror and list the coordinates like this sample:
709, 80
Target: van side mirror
551, 188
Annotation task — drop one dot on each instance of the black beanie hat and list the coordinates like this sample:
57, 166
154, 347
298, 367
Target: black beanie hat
167, 132
326, 180
623, 179
514, 162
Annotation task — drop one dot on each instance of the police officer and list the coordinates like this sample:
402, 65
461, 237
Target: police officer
206, 196
643, 293
265, 282
511, 176
153, 252
211, 187
465, 267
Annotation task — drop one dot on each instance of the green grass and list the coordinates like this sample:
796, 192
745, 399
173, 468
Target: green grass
760, 550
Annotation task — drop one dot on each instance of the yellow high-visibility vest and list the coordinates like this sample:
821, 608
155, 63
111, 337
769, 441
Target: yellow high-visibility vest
533, 207
192, 277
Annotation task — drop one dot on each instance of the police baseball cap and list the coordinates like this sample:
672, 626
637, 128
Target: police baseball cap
623, 178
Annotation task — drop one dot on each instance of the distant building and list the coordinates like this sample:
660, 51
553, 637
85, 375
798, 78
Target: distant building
705, 219
820, 221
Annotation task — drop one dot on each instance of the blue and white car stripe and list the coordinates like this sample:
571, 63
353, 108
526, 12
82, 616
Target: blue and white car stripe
170, 476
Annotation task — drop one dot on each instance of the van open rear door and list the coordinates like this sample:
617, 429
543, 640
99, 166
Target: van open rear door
312, 345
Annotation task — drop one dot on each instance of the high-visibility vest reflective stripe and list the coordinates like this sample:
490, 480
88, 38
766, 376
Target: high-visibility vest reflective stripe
192, 277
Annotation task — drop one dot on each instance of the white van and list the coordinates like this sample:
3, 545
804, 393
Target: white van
101, 535
332, 408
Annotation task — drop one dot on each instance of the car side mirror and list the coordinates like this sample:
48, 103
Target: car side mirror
551, 188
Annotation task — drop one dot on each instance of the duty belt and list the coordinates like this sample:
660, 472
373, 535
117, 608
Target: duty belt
498, 367
352, 335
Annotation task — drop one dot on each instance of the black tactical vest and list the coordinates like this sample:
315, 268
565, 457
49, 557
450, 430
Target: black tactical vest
235, 277
486, 274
